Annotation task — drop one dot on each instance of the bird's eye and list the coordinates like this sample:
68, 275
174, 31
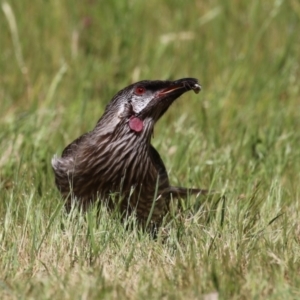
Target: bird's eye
139, 90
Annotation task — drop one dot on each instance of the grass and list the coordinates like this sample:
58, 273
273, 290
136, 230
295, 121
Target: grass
61, 63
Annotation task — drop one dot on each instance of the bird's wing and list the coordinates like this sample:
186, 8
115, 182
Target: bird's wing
158, 163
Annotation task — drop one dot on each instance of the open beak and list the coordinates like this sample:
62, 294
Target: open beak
167, 93
182, 85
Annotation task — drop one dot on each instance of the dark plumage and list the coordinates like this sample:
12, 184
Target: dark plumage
116, 157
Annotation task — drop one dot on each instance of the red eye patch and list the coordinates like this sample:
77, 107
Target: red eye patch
139, 90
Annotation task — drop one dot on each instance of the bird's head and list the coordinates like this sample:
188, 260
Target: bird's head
141, 104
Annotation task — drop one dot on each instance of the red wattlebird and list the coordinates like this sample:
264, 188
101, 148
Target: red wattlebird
116, 157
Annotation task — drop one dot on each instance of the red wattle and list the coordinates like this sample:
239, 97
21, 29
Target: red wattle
136, 124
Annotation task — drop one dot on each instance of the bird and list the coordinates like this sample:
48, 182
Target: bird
115, 162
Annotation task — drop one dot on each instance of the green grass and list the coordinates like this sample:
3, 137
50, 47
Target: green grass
239, 136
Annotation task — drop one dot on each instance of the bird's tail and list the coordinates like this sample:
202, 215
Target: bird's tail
178, 192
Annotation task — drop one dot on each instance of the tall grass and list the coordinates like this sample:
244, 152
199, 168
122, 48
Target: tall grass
61, 62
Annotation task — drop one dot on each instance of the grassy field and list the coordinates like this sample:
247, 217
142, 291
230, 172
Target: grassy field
60, 64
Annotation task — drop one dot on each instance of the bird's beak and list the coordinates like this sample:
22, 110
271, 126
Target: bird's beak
166, 94
170, 89
182, 85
